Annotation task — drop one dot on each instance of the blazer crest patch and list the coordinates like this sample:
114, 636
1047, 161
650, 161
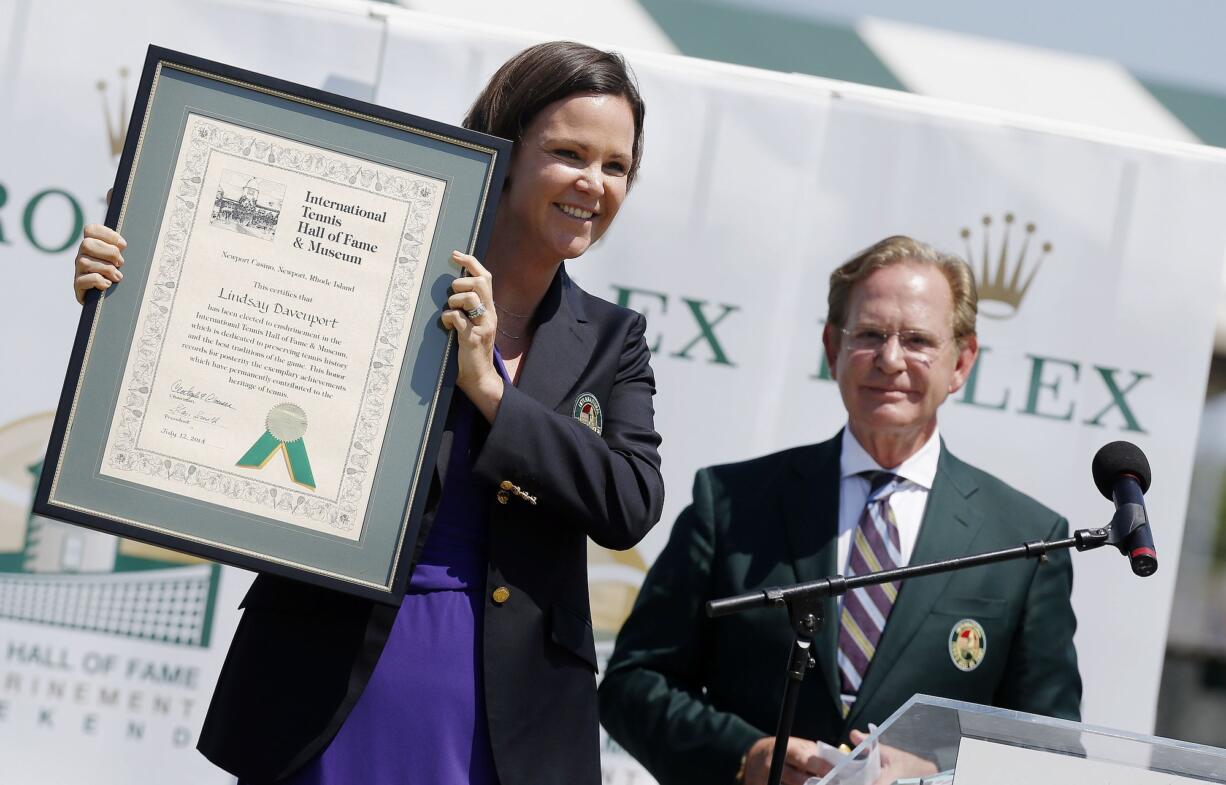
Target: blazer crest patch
967, 644
587, 411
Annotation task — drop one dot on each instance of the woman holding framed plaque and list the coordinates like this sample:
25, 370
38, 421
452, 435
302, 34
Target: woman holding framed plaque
486, 672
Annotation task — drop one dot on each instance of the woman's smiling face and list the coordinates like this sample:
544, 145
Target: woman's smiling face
569, 174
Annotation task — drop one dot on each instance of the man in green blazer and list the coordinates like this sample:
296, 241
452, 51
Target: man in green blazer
696, 700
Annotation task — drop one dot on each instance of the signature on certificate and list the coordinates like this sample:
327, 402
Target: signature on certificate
188, 392
186, 415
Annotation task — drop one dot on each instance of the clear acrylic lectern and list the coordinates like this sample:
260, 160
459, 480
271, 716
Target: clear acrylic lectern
938, 741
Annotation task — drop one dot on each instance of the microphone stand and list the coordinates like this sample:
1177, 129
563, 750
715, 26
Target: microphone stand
804, 604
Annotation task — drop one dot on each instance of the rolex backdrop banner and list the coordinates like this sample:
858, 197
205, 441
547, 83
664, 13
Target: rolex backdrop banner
1097, 258
108, 649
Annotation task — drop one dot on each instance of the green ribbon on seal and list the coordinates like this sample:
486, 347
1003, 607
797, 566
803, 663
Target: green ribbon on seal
284, 426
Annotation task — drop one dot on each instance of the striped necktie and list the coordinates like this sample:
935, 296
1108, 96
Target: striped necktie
874, 547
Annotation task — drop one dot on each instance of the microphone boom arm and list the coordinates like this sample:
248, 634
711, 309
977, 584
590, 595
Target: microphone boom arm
1082, 540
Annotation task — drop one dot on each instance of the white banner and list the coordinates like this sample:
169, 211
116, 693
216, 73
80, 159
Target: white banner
108, 650
754, 186
1102, 255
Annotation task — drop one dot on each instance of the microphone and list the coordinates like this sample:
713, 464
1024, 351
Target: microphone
1121, 473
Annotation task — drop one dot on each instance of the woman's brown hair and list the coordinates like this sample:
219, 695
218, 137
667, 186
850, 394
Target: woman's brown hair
548, 72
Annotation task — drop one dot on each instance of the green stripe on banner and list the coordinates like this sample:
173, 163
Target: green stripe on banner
701, 28
1204, 113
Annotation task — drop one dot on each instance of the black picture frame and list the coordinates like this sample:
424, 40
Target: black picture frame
191, 117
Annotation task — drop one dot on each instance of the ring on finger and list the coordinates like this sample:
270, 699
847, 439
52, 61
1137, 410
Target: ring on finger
476, 313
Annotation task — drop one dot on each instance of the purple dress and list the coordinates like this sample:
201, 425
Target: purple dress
421, 719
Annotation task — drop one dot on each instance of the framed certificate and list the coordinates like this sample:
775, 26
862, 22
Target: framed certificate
267, 386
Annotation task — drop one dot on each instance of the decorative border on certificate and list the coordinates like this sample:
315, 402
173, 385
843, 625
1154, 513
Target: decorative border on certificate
249, 201
272, 227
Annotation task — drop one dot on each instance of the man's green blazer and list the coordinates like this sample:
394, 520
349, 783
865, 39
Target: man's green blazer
687, 695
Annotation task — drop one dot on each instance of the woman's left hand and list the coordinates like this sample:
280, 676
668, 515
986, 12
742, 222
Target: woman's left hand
471, 314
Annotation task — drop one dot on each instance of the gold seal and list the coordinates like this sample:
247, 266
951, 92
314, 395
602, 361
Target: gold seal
287, 422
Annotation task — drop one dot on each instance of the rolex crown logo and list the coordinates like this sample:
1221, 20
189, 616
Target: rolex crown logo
117, 125
1003, 277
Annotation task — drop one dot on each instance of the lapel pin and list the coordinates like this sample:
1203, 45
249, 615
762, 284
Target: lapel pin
587, 411
967, 644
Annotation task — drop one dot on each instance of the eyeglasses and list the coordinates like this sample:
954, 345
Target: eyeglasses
917, 345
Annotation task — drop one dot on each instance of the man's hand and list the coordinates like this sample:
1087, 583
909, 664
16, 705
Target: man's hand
800, 762
896, 764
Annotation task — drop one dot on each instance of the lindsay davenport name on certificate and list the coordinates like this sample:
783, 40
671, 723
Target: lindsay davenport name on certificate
273, 327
